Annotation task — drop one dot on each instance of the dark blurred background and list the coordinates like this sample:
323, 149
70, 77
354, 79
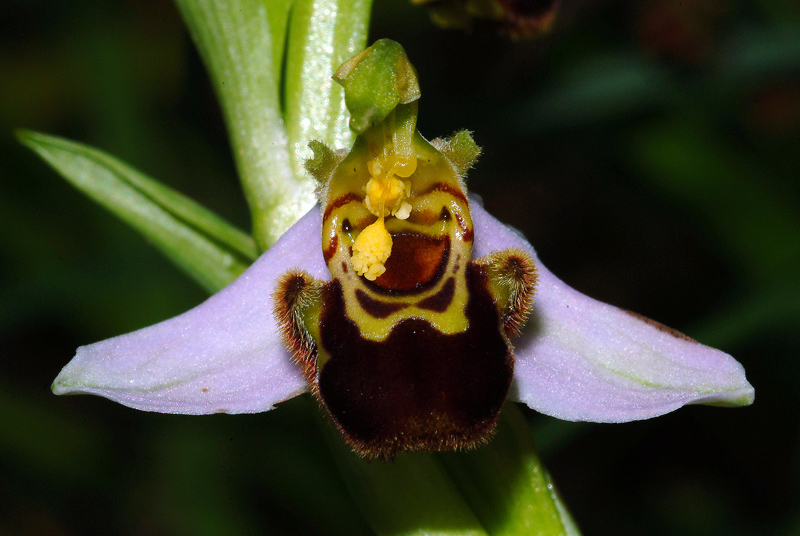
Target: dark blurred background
649, 150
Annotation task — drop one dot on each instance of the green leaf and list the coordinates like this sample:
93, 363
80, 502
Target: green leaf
411, 495
506, 484
323, 34
206, 247
242, 45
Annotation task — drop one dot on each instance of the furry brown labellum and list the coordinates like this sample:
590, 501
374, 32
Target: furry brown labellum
407, 346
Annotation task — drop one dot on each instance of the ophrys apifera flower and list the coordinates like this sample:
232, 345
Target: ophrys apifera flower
408, 310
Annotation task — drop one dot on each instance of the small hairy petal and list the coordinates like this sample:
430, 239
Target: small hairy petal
582, 360
225, 355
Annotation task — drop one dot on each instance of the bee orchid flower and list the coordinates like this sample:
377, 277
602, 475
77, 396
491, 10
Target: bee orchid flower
409, 312
576, 359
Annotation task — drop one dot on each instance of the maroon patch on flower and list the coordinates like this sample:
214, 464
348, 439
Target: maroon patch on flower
341, 201
419, 389
467, 234
440, 301
447, 188
377, 308
330, 251
416, 263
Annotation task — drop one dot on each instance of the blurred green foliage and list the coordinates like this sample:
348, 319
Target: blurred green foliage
649, 150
